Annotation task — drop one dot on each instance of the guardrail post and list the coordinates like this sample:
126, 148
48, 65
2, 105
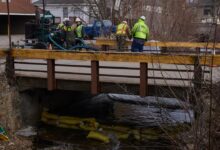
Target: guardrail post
198, 76
51, 80
105, 48
143, 79
164, 50
95, 85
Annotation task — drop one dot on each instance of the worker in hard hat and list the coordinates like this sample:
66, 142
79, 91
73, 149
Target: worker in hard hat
61, 25
122, 33
79, 31
68, 31
140, 33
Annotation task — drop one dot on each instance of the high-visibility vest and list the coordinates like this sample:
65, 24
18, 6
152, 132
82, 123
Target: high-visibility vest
140, 30
60, 26
79, 31
121, 29
68, 28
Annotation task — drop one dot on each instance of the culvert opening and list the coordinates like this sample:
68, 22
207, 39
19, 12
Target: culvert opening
67, 119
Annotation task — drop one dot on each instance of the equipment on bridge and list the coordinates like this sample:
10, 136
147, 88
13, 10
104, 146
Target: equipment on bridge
38, 35
99, 28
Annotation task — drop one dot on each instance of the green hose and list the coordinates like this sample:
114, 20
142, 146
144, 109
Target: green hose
55, 43
84, 46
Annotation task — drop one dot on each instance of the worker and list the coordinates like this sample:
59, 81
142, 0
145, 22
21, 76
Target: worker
123, 31
79, 31
61, 25
68, 31
140, 33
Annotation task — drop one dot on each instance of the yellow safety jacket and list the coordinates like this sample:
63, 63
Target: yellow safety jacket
68, 28
79, 30
122, 29
60, 26
140, 30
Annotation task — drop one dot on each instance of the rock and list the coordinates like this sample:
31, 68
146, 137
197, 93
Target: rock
27, 132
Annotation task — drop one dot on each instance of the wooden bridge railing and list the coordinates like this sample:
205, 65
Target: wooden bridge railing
96, 57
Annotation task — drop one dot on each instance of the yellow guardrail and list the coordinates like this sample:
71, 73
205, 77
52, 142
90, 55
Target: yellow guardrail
100, 42
114, 56
120, 57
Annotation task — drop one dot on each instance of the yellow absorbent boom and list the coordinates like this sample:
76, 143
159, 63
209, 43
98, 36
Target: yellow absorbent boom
94, 128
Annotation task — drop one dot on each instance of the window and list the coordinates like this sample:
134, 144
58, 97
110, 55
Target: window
207, 11
65, 12
57, 20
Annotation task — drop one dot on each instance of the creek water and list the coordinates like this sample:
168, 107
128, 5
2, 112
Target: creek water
138, 113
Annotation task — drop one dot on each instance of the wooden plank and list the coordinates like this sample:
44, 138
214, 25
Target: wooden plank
100, 42
143, 79
95, 85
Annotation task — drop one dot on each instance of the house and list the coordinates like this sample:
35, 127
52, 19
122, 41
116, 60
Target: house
207, 15
21, 11
208, 9
67, 8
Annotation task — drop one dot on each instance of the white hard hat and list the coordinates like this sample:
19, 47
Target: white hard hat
78, 20
143, 17
66, 19
125, 22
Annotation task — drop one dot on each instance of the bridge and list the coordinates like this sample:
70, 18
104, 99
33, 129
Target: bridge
99, 71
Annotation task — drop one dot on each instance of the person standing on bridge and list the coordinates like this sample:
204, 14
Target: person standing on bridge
68, 33
122, 32
140, 33
79, 31
60, 26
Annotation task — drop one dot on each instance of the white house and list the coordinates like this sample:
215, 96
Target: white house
67, 8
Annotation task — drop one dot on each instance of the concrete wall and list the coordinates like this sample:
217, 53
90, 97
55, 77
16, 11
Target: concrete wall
17, 24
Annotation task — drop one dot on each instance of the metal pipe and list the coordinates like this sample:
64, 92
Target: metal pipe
9, 24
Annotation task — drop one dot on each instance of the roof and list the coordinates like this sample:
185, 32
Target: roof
59, 2
21, 7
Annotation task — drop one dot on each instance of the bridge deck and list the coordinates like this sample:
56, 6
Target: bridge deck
117, 68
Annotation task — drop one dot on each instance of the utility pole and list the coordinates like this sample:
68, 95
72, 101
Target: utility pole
9, 24
43, 7
9, 69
